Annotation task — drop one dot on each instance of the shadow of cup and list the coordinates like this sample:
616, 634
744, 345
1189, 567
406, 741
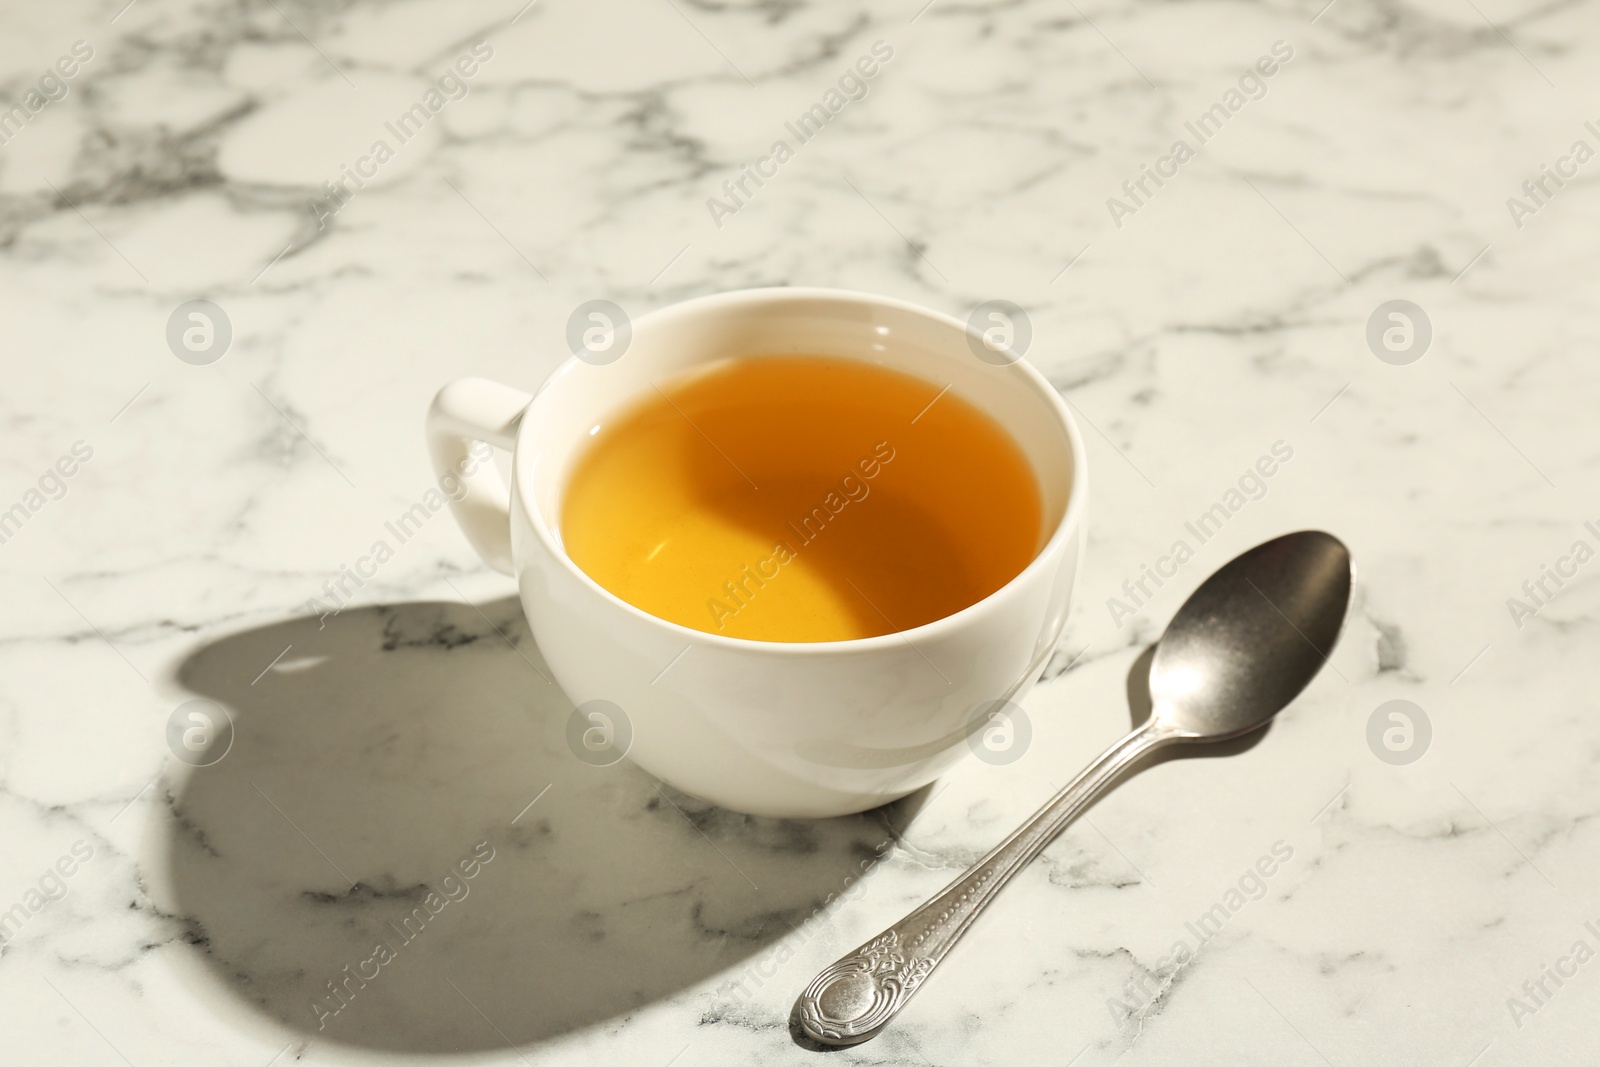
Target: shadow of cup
400, 850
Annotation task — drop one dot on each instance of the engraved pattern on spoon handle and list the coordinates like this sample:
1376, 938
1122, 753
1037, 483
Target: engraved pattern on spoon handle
888, 969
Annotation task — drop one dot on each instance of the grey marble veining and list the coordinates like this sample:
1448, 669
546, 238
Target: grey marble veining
307, 898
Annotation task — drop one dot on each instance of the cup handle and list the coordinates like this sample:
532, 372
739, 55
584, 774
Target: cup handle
467, 411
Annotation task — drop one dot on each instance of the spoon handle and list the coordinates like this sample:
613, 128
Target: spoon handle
856, 997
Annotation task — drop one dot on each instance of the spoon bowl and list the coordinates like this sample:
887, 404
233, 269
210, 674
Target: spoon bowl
1251, 637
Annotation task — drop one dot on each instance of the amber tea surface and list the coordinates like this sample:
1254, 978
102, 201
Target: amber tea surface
801, 498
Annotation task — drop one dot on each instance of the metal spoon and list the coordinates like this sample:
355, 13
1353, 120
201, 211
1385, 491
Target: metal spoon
1238, 650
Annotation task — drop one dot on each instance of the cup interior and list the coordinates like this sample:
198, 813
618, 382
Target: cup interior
769, 322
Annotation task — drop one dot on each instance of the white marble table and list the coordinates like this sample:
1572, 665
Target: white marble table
157, 914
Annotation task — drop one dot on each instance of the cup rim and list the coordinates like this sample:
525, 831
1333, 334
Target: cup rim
1071, 515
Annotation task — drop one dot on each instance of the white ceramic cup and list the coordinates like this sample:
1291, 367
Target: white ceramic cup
768, 728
